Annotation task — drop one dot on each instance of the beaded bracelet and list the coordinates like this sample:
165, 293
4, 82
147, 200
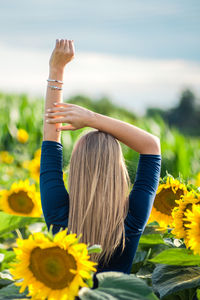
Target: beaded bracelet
55, 80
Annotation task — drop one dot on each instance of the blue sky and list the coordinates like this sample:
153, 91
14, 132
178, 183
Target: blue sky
132, 31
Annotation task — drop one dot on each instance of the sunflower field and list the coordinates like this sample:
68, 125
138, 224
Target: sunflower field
35, 264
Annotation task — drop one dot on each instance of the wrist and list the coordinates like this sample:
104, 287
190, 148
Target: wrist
93, 120
56, 73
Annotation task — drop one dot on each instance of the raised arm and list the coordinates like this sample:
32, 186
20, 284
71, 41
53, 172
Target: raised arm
79, 117
139, 140
62, 54
54, 196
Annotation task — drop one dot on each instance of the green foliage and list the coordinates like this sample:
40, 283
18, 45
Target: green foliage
94, 249
117, 285
151, 239
19, 111
8, 256
12, 292
198, 294
185, 116
10, 222
177, 281
179, 154
180, 157
104, 106
178, 257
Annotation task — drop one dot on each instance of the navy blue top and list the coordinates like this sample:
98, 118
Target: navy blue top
55, 201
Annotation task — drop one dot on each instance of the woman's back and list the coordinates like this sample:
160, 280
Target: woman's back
55, 201
55, 198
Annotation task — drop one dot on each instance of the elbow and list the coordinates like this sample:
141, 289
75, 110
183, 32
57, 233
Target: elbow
153, 146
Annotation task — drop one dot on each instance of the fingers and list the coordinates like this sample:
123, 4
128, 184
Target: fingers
67, 127
51, 115
66, 45
54, 109
71, 46
58, 104
62, 43
57, 43
61, 108
57, 120
62, 104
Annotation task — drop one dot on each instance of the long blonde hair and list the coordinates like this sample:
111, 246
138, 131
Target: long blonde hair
98, 184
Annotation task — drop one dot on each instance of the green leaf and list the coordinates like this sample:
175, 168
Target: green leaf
89, 282
8, 257
117, 285
198, 294
138, 261
94, 249
10, 222
177, 256
187, 294
151, 229
145, 272
5, 279
168, 280
151, 239
12, 292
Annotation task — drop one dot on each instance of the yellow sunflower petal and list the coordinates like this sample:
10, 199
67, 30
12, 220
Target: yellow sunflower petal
165, 201
49, 269
22, 199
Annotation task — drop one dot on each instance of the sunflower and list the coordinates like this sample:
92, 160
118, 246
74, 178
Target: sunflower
65, 179
22, 199
34, 165
167, 192
34, 168
6, 157
53, 267
37, 153
178, 213
197, 183
22, 136
192, 217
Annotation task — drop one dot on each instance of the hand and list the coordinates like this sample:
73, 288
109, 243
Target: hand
62, 54
77, 116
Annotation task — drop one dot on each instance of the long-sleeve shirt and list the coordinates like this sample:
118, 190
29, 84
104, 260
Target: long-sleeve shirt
55, 201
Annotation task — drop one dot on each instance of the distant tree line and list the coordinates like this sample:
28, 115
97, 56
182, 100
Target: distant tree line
185, 116
103, 106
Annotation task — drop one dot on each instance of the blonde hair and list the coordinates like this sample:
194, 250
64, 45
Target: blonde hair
99, 185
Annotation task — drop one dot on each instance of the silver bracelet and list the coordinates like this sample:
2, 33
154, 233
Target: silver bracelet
53, 87
55, 80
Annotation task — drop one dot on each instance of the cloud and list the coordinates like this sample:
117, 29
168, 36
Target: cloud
132, 82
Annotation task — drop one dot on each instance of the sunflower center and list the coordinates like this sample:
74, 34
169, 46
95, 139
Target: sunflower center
165, 200
52, 266
21, 202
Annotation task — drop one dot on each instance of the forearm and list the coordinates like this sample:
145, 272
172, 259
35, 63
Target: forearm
52, 96
54, 196
138, 139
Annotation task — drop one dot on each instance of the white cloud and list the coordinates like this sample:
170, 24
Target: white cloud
132, 82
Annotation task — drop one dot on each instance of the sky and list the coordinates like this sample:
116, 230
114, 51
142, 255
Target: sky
138, 53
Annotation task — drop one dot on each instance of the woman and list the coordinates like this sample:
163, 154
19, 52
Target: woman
98, 203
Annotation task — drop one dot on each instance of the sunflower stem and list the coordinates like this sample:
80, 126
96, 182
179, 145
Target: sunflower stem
19, 233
